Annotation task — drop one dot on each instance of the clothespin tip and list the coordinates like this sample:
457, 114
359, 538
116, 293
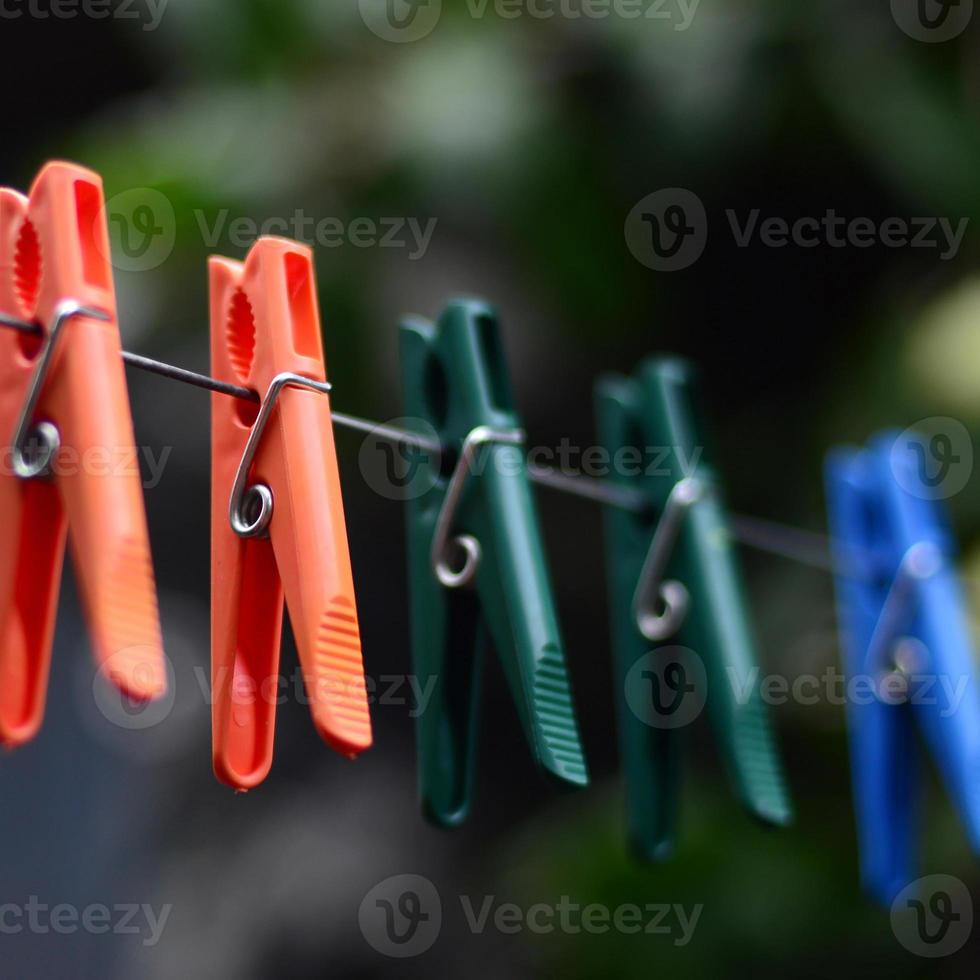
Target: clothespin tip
138, 673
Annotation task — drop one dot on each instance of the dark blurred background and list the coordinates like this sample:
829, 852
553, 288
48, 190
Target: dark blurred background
529, 140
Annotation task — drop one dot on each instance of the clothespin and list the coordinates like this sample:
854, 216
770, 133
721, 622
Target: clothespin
680, 627
907, 651
71, 462
476, 563
277, 517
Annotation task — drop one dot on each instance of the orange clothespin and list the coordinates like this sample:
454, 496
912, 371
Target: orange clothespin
277, 517
71, 460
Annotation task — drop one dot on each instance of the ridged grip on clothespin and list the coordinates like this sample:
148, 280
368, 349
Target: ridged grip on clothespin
54, 248
912, 622
655, 417
265, 325
455, 381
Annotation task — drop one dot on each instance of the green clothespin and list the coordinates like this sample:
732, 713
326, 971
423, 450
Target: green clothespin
680, 630
476, 563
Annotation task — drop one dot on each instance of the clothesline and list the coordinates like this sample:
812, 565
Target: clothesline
795, 544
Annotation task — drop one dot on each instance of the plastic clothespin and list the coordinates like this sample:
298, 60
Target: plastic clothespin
680, 630
71, 462
907, 651
476, 563
277, 517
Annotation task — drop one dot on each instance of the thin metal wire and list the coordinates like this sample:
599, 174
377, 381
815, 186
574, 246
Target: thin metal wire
189, 377
149, 364
798, 545
384, 431
24, 326
587, 487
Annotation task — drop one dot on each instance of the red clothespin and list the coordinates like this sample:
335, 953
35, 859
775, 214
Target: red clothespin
277, 517
71, 459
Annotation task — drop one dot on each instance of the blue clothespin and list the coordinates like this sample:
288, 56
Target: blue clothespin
906, 647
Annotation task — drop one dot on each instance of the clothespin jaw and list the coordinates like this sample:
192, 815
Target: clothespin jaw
455, 382
907, 653
291, 540
55, 271
650, 425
